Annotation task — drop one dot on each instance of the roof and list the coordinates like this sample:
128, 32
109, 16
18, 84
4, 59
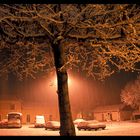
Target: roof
106, 108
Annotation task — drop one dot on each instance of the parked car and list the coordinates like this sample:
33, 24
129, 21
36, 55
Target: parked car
53, 125
39, 121
4, 123
77, 121
14, 120
91, 125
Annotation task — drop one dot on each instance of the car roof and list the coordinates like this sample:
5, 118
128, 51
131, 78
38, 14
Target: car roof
15, 113
39, 116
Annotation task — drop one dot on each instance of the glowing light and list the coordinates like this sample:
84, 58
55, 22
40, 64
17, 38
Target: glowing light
69, 81
54, 80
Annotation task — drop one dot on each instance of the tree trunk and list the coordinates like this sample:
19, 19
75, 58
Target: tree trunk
66, 122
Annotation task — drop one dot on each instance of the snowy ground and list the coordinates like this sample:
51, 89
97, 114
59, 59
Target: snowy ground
112, 129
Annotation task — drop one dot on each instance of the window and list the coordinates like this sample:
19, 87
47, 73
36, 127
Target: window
12, 106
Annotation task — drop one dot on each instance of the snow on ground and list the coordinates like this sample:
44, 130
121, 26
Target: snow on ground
112, 129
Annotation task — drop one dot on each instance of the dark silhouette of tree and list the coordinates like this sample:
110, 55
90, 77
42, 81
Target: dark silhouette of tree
97, 39
130, 95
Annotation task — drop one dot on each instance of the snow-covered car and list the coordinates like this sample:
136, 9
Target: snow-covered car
39, 121
4, 123
91, 125
14, 123
14, 120
53, 125
77, 121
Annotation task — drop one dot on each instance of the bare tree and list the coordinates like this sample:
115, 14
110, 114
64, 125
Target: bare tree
98, 39
130, 95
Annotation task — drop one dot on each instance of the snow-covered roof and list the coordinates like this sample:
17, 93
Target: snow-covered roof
106, 108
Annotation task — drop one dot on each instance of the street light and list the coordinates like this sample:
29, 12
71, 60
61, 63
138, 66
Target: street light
53, 82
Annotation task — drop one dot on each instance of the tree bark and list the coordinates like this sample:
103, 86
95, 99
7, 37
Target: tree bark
66, 122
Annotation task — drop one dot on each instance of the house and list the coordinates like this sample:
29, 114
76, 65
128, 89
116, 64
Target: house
117, 112
28, 109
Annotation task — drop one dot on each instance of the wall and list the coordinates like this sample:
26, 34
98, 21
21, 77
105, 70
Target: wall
7, 106
107, 116
33, 109
126, 115
98, 116
115, 116
29, 109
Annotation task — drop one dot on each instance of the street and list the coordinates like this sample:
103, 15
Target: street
112, 129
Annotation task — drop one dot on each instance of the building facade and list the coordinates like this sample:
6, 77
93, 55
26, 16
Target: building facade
112, 113
51, 112
29, 110
7, 106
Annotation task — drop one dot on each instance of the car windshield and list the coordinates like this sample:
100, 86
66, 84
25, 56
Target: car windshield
13, 116
40, 119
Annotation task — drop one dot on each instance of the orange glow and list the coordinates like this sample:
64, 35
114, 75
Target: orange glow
82, 92
54, 80
69, 81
